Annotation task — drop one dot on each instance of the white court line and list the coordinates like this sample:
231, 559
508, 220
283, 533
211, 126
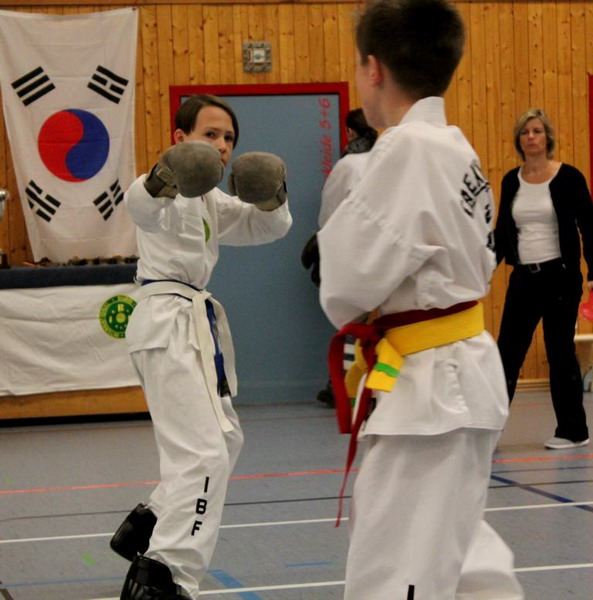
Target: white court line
278, 523
263, 588
299, 586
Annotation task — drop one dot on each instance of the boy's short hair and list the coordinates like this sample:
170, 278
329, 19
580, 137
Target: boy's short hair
187, 113
419, 41
535, 113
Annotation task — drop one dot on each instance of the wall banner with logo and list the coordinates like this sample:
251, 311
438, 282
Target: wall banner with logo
65, 338
68, 102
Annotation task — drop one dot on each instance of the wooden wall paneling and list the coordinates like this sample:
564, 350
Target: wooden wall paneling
507, 115
536, 62
331, 48
301, 43
154, 120
196, 45
566, 98
272, 35
256, 17
508, 88
228, 62
588, 8
286, 43
211, 49
464, 78
346, 24
240, 34
165, 69
478, 80
521, 62
180, 42
495, 101
579, 87
549, 51
316, 43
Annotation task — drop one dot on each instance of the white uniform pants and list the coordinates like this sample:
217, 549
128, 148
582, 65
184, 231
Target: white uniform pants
416, 523
195, 456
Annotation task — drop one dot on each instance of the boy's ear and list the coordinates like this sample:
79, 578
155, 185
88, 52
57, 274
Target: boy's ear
376, 73
179, 136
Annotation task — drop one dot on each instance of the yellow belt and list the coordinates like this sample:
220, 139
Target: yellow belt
408, 339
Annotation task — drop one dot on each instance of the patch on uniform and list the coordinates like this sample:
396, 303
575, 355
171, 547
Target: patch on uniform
206, 229
115, 314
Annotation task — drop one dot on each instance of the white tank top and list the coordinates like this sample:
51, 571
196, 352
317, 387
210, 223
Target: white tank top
536, 222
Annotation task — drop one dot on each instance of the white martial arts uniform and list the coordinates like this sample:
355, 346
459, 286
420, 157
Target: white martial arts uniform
197, 433
346, 173
415, 233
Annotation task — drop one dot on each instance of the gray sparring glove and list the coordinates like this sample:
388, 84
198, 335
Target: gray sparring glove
259, 178
189, 168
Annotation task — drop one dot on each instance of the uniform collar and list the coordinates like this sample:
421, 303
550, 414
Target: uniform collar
431, 109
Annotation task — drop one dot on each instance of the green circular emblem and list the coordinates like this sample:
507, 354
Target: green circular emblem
206, 229
115, 314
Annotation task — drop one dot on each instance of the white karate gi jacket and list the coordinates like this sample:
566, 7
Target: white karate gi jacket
179, 239
415, 233
347, 172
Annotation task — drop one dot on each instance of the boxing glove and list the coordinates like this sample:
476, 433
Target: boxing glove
259, 178
189, 168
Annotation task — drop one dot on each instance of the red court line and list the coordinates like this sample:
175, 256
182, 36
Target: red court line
501, 461
126, 484
104, 486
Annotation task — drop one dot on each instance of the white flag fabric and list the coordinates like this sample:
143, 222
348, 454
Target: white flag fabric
68, 100
76, 340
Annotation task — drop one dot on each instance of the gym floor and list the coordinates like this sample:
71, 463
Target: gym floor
65, 487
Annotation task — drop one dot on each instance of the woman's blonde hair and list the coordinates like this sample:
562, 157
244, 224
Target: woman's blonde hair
535, 113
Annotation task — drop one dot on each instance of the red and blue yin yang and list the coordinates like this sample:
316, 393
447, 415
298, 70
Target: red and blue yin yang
73, 144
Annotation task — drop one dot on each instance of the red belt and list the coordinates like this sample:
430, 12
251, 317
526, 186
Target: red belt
369, 335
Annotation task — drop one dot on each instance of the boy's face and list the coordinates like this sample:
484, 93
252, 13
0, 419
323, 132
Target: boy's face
213, 125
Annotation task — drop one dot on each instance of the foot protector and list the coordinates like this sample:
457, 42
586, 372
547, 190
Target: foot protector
148, 579
133, 535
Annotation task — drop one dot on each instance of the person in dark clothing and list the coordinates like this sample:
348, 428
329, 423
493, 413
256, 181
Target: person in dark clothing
544, 205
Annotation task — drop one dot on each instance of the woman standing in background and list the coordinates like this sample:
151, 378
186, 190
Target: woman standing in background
544, 205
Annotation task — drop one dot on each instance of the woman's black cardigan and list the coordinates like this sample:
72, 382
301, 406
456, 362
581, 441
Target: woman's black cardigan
574, 211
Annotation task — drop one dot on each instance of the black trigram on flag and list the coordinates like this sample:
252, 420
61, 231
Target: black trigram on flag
32, 86
108, 84
41, 204
109, 199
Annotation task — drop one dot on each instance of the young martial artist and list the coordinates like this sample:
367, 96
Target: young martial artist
180, 342
412, 244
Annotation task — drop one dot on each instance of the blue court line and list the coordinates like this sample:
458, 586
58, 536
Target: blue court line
539, 492
229, 581
320, 563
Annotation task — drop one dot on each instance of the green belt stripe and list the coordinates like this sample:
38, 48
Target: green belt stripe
387, 369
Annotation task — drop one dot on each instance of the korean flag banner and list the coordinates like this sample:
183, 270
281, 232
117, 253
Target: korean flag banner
68, 101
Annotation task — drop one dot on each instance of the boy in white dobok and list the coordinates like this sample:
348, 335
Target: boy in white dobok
412, 244
180, 343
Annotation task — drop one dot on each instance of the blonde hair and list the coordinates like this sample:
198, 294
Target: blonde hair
535, 113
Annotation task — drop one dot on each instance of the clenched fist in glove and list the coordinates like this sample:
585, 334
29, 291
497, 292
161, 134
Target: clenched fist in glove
259, 178
189, 168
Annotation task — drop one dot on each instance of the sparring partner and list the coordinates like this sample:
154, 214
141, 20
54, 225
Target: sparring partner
412, 244
180, 343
